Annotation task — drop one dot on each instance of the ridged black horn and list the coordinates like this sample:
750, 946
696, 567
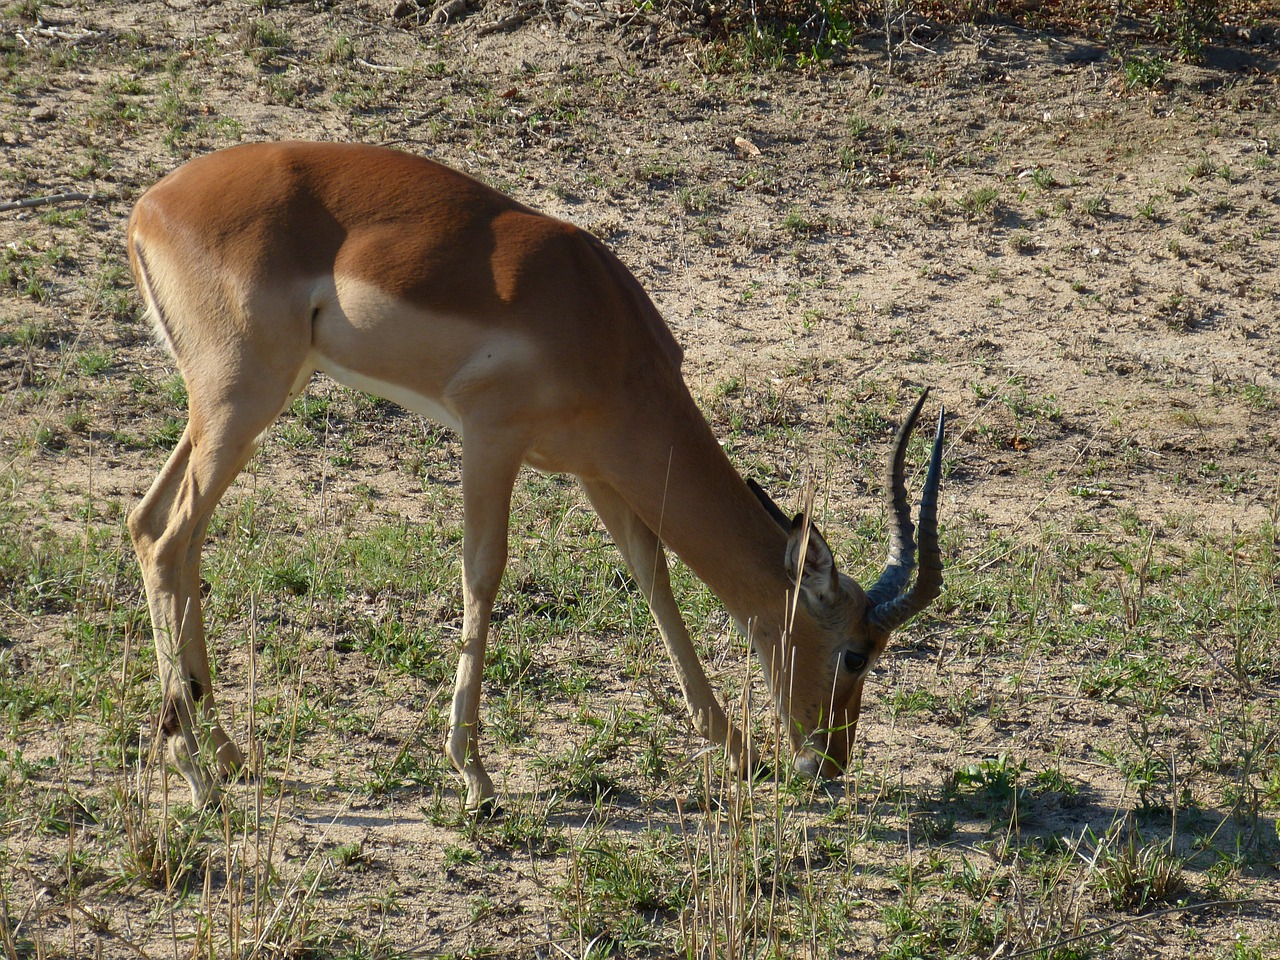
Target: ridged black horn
888, 607
902, 545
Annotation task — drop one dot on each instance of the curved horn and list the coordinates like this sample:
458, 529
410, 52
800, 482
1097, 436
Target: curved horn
894, 612
902, 546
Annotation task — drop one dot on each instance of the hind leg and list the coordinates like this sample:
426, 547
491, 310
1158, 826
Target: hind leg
168, 530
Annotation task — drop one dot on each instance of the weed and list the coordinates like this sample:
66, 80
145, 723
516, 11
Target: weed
1044, 179
28, 11
416, 652
993, 784
980, 203
456, 856
1148, 72
580, 771
1135, 875
800, 224
1097, 206
819, 38
341, 50
614, 888
1020, 241
1189, 27
262, 41
695, 200
1202, 167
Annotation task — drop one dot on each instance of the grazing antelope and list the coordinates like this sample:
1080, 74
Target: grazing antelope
263, 263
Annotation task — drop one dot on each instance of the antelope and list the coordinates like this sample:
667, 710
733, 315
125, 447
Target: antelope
264, 263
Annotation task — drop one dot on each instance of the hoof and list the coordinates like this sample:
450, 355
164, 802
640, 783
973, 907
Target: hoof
743, 761
227, 756
808, 765
488, 808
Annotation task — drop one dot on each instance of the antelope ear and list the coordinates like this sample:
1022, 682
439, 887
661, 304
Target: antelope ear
819, 580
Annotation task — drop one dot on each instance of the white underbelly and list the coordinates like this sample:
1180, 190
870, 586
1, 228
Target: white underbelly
409, 399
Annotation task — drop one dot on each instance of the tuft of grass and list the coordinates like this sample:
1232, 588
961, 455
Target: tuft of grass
798, 223
1147, 72
1044, 179
1097, 206
993, 785
262, 40
94, 363
1201, 168
980, 203
1136, 876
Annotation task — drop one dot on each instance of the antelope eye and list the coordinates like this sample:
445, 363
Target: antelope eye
854, 662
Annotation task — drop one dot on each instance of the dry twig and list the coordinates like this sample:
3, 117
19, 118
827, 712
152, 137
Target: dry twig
28, 202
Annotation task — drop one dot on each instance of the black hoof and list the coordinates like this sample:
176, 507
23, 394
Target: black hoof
490, 808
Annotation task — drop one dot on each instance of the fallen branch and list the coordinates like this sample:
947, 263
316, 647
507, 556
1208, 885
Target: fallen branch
503, 25
379, 67
41, 201
56, 33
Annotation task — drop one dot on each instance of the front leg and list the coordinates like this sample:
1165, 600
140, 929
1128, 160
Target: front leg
647, 561
489, 470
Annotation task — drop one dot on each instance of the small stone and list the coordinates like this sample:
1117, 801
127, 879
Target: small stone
43, 113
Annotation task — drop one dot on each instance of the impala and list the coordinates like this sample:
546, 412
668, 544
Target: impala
263, 263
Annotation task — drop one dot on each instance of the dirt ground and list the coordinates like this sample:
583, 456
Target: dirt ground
1082, 268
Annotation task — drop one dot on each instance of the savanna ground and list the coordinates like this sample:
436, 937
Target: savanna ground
1067, 225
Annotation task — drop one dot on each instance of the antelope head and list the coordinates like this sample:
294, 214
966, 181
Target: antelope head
837, 631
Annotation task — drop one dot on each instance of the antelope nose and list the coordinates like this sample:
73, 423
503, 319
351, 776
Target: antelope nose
807, 765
